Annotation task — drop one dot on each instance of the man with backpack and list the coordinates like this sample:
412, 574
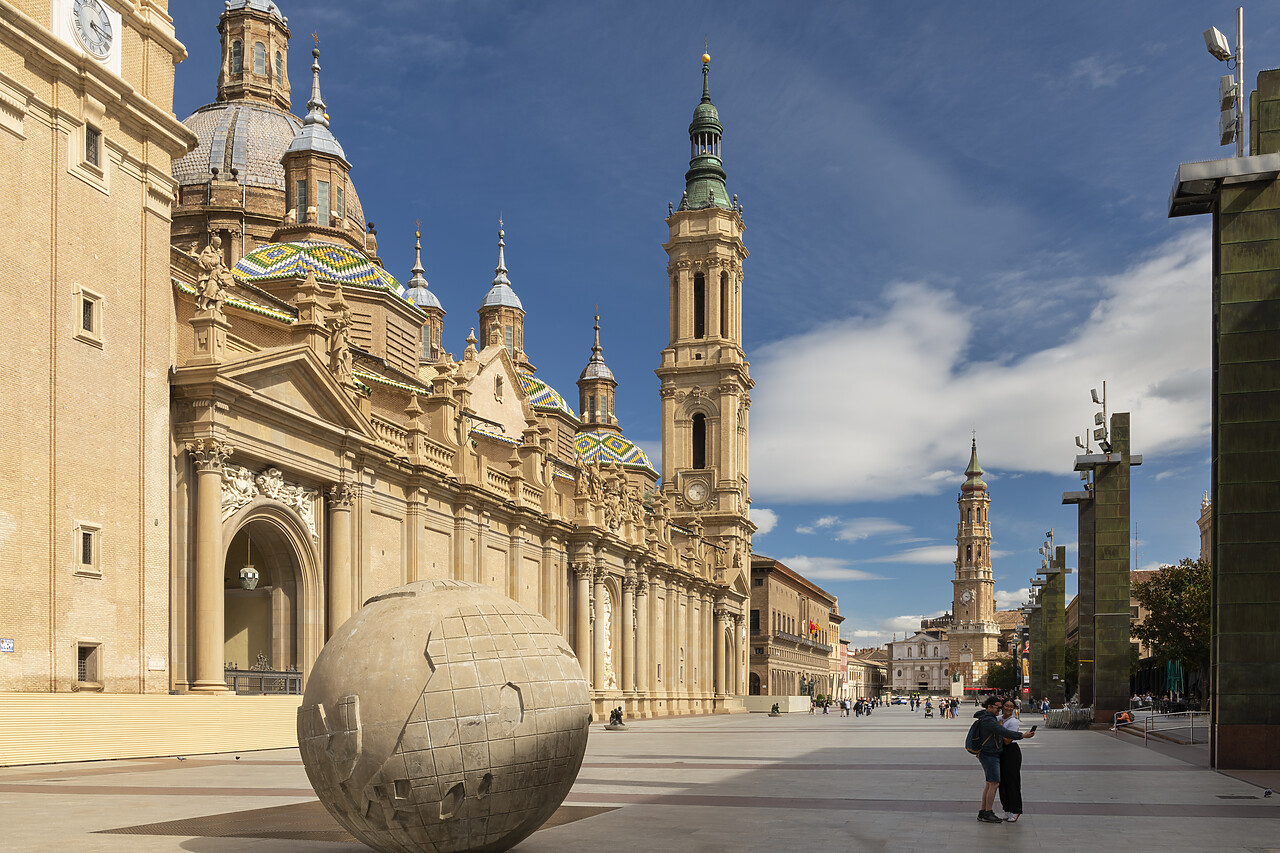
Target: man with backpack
986, 740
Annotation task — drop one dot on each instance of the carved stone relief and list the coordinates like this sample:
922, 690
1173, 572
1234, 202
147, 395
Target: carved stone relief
239, 486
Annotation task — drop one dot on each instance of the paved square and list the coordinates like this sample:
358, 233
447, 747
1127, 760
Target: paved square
893, 782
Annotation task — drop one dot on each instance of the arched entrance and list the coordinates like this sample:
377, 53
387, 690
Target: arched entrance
754, 680
277, 624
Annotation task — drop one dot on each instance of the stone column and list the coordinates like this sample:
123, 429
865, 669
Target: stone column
691, 642
582, 618
717, 639
210, 667
600, 677
628, 680
342, 499
643, 650
739, 660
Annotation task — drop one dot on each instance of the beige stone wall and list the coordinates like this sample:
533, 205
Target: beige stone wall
92, 455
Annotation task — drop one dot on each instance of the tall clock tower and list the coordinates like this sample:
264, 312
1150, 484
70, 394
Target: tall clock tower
974, 632
705, 384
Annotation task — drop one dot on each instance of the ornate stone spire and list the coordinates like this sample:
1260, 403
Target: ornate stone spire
974, 472
704, 182
314, 135
596, 387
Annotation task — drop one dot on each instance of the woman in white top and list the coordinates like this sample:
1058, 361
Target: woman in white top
1010, 766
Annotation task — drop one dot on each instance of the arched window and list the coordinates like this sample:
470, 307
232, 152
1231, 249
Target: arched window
259, 59
237, 57
279, 65
979, 553
591, 406
968, 555
724, 305
699, 306
970, 518
699, 440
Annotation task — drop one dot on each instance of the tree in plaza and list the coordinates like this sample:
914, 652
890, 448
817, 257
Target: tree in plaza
1003, 673
1176, 599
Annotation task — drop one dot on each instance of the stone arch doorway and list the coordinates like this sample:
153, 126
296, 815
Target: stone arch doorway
755, 684
280, 621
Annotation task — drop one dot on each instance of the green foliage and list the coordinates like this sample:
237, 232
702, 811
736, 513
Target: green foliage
1177, 621
1002, 674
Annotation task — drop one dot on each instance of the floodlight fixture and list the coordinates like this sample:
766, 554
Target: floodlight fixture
1094, 393
1104, 446
1216, 43
1227, 91
1080, 444
1099, 434
1097, 418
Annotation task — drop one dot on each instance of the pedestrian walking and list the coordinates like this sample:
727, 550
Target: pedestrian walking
990, 738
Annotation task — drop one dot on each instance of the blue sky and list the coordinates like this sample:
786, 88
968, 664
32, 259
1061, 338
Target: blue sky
955, 213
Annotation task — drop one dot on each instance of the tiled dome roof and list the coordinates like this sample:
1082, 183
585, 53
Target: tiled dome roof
543, 397
329, 263
607, 446
250, 137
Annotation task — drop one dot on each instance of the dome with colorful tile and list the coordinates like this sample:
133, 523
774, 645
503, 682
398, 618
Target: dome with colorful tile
329, 262
543, 397
605, 446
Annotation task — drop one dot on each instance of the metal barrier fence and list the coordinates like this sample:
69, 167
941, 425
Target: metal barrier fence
256, 682
1180, 727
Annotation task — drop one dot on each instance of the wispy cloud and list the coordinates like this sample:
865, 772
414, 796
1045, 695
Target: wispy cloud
854, 529
1097, 72
828, 569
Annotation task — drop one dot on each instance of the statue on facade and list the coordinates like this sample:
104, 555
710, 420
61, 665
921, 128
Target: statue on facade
211, 286
340, 339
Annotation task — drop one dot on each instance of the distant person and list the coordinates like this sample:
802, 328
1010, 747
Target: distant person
991, 737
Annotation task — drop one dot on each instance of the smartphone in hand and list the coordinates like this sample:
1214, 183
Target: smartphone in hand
1033, 729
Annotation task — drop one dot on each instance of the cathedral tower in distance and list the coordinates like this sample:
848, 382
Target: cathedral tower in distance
974, 633
705, 384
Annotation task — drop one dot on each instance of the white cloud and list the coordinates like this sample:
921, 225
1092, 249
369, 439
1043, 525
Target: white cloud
1008, 600
1148, 336
864, 528
821, 523
764, 519
827, 569
923, 555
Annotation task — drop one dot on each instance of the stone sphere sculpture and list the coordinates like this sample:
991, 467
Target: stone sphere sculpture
444, 717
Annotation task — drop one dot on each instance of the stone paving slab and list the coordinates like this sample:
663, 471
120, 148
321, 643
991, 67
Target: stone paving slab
745, 783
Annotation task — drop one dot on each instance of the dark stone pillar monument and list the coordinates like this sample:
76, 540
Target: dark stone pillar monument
1053, 616
1036, 622
1243, 195
1111, 540
1084, 598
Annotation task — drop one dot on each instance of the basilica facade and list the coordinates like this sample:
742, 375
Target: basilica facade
278, 431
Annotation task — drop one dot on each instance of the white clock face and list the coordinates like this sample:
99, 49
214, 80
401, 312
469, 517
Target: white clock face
92, 27
696, 492
966, 596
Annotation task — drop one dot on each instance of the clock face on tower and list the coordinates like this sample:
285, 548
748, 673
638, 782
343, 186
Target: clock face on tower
966, 596
92, 27
696, 492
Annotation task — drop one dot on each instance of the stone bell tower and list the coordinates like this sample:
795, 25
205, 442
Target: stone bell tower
974, 632
705, 384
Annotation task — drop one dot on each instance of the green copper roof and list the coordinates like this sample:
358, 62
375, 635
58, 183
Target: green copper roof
704, 182
974, 472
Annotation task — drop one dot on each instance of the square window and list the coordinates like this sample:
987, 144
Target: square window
87, 312
92, 146
88, 664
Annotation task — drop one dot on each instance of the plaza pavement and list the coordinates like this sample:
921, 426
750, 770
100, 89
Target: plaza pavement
892, 782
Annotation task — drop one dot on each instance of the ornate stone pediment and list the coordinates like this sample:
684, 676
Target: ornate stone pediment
240, 486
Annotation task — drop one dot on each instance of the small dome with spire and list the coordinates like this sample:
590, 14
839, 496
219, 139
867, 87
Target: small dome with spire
314, 135
974, 473
501, 294
416, 288
596, 368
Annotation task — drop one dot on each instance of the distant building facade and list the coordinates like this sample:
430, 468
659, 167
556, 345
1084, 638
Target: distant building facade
793, 637
920, 663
